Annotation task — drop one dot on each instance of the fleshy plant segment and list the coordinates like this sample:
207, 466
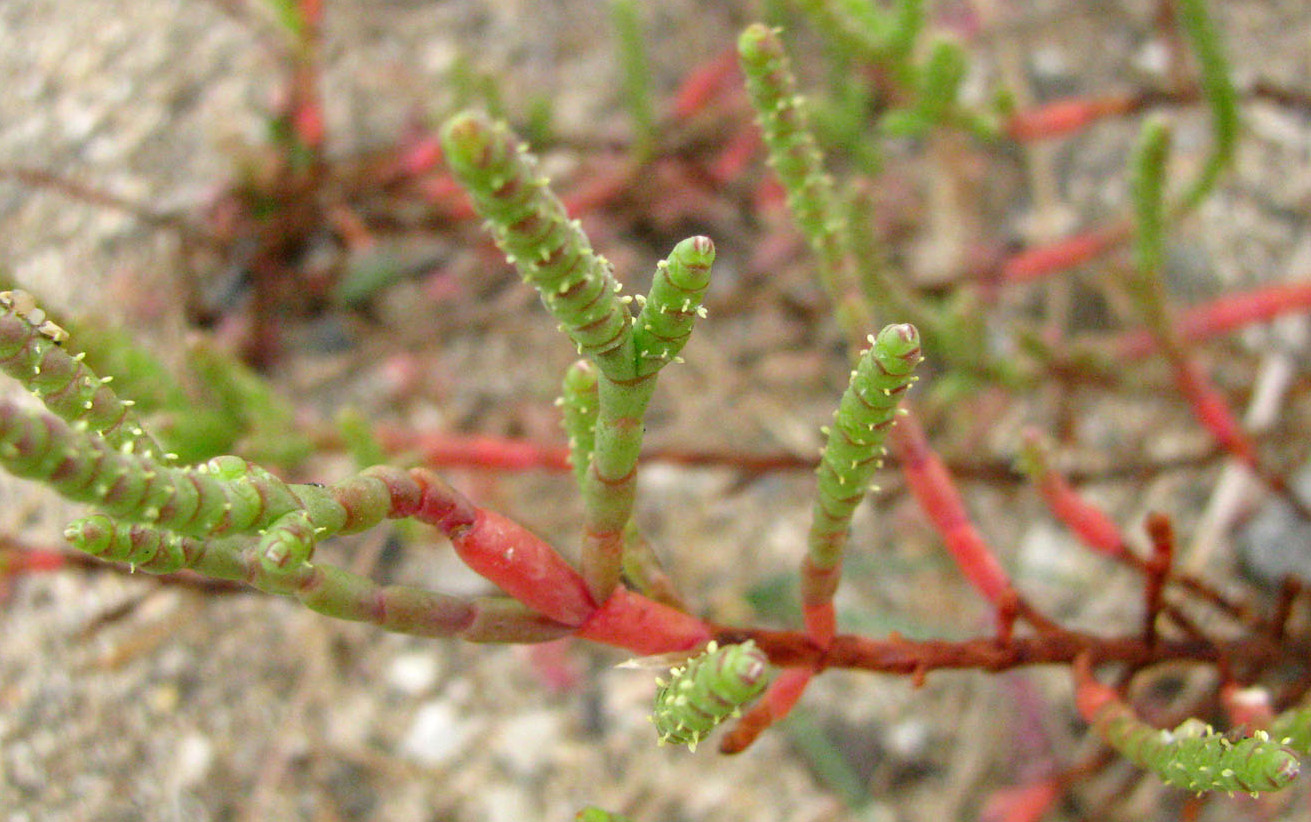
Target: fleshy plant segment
708, 689
578, 287
1193, 756
228, 517
854, 451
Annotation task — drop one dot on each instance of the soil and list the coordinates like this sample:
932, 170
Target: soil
126, 698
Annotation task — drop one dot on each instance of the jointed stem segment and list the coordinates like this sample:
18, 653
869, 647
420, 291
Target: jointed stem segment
323, 588
33, 354
578, 288
850, 457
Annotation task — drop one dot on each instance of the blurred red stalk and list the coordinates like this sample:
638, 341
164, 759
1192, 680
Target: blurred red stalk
1066, 116
938, 497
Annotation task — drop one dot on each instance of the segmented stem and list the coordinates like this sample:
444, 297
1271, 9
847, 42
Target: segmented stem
31, 351
578, 402
549, 250
662, 328
672, 307
849, 459
577, 286
1194, 757
707, 690
795, 156
320, 587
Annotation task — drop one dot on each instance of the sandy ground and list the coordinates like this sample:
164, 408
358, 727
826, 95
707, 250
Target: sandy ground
123, 699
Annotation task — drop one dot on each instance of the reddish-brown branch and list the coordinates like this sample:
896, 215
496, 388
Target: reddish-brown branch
900, 656
1161, 533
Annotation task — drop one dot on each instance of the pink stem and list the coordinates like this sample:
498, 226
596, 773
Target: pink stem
1085, 520
777, 703
1043, 261
1065, 116
474, 451
706, 82
936, 493
643, 626
1213, 412
1223, 315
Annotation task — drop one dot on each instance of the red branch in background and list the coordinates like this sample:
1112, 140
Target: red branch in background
1043, 261
1063, 117
1223, 315
938, 498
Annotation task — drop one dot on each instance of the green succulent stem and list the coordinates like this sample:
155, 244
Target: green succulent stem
33, 356
795, 156
320, 587
578, 288
1195, 757
635, 63
853, 452
1220, 94
578, 403
1149, 166
549, 250
707, 690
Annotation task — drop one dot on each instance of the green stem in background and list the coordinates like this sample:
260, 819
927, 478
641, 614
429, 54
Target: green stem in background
1147, 288
861, 31
907, 24
269, 431
795, 156
323, 588
869, 33
595, 814
872, 268
626, 18
852, 454
1293, 728
1148, 182
935, 92
1221, 97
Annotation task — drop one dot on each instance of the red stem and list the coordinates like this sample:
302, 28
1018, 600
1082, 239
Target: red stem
777, 703
631, 621
1086, 521
1066, 116
936, 493
1224, 314
1043, 261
